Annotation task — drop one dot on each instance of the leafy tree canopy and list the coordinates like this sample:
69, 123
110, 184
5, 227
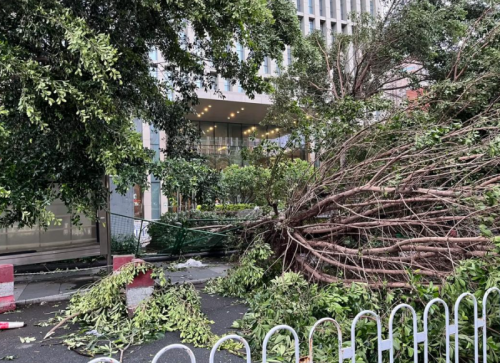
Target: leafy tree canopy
74, 74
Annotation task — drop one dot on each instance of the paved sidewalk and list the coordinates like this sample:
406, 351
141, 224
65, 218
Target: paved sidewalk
58, 286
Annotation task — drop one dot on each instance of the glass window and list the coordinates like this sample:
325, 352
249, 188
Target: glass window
138, 197
372, 8
220, 133
311, 25
234, 135
153, 54
240, 89
289, 55
323, 27
155, 143
155, 200
207, 133
299, 5
321, 8
332, 8
227, 85
311, 6
266, 65
199, 83
342, 9
353, 5
241, 52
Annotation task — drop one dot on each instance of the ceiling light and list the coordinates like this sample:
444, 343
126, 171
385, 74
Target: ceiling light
253, 128
203, 113
211, 128
232, 114
206, 109
228, 118
199, 115
209, 105
243, 108
215, 126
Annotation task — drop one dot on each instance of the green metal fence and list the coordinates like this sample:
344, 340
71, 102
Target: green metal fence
130, 235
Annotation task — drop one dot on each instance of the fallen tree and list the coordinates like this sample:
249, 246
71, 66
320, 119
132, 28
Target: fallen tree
408, 194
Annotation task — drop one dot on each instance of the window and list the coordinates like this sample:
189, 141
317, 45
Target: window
311, 25
155, 183
289, 55
155, 199
153, 55
199, 83
299, 5
311, 6
240, 89
333, 31
323, 29
266, 65
241, 52
353, 5
321, 8
372, 10
155, 143
227, 85
332, 8
342, 9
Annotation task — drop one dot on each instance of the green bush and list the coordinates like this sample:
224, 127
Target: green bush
174, 234
126, 244
290, 299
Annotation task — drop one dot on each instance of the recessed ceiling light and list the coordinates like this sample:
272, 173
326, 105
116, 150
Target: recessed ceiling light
203, 113
199, 115
243, 108
206, 109
211, 128
237, 111
209, 105
232, 114
215, 126
228, 118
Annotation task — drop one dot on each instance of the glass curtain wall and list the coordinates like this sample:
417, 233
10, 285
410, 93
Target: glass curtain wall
223, 142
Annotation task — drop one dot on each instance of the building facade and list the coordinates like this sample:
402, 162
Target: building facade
230, 124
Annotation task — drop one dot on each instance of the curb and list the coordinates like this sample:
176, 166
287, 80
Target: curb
67, 295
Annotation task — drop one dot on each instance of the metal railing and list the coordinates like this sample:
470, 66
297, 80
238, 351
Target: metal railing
349, 353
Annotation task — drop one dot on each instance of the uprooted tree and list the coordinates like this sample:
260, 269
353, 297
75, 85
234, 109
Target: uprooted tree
405, 189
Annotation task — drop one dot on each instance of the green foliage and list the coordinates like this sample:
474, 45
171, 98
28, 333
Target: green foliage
290, 299
103, 311
175, 234
251, 272
125, 244
72, 81
191, 178
234, 207
265, 185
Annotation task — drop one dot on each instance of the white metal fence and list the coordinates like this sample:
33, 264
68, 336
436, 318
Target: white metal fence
383, 344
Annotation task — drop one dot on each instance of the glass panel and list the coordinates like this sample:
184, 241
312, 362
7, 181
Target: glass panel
155, 200
332, 8
221, 139
207, 133
234, 135
138, 200
311, 26
155, 143
299, 5
311, 7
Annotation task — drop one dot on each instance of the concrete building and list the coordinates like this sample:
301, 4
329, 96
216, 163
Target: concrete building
227, 124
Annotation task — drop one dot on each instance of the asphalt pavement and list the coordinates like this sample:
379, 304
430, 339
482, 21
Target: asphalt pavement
223, 311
